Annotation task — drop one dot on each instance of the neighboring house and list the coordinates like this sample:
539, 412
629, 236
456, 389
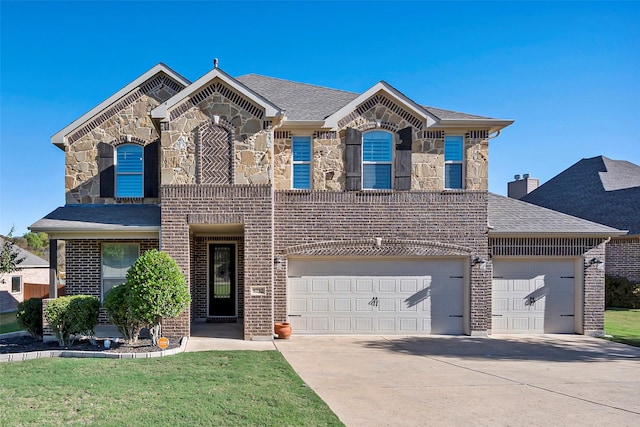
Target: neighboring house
344, 213
32, 270
604, 191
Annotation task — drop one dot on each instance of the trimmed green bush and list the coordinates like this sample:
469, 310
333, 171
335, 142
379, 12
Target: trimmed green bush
117, 303
158, 290
72, 316
620, 292
29, 317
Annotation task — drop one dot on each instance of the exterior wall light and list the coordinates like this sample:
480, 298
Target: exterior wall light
597, 262
279, 262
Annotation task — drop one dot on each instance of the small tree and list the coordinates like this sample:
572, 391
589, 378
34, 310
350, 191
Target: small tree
10, 259
117, 303
158, 290
72, 316
29, 317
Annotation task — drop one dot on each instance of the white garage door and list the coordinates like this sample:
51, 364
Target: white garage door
533, 296
376, 296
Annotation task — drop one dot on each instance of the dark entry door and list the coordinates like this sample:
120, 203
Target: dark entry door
222, 280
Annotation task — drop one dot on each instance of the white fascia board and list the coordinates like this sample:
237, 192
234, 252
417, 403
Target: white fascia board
59, 139
598, 234
162, 111
331, 122
298, 124
492, 124
133, 233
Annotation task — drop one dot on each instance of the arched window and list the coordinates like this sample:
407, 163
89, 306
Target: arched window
129, 171
377, 158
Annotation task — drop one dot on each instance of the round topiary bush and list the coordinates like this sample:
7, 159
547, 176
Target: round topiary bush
117, 303
29, 317
72, 316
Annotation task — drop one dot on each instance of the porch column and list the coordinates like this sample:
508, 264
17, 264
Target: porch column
53, 268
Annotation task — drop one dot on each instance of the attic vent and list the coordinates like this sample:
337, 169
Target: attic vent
266, 124
386, 102
223, 90
325, 135
539, 246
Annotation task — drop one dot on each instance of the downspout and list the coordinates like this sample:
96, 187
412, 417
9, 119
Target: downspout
270, 147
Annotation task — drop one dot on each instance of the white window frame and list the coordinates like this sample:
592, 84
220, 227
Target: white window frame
102, 275
391, 171
117, 174
454, 162
20, 285
302, 162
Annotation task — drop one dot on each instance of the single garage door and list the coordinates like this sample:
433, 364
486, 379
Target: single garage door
533, 296
365, 296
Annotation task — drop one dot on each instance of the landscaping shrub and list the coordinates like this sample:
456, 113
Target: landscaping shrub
620, 292
117, 303
29, 317
72, 316
158, 290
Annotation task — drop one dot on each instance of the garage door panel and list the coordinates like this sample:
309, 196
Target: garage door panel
533, 296
372, 301
442, 324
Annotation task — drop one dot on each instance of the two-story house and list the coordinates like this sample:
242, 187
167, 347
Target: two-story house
344, 213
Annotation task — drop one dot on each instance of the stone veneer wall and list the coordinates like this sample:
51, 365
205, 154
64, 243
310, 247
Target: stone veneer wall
199, 273
129, 116
447, 223
84, 266
593, 278
251, 206
623, 258
180, 145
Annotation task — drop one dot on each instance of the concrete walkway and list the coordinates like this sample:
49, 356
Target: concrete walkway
506, 380
222, 336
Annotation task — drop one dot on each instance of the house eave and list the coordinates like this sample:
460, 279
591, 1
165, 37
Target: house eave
75, 233
59, 139
600, 234
490, 124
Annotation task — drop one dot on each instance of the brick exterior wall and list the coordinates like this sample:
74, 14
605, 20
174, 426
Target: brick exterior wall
84, 266
585, 248
623, 258
190, 205
428, 219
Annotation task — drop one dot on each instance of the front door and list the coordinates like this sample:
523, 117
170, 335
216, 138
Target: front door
222, 280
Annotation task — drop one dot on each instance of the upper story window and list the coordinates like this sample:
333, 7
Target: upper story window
16, 284
453, 157
129, 171
301, 148
377, 158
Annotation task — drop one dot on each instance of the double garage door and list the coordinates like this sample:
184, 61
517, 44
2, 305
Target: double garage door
385, 296
533, 296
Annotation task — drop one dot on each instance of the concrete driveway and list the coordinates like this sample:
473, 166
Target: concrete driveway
505, 380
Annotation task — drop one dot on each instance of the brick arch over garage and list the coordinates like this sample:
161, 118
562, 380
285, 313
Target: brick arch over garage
369, 247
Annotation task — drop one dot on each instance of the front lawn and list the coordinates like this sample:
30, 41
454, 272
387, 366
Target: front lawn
623, 324
207, 388
8, 322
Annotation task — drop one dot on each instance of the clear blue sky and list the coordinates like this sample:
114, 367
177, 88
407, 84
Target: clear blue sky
567, 72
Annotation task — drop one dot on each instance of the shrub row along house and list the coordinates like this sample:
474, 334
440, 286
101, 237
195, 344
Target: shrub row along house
344, 213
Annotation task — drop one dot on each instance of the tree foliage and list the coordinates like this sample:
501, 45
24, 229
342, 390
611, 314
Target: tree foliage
117, 303
71, 316
158, 290
10, 259
29, 316
37, 241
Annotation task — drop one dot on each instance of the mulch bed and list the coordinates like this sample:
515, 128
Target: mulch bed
28, 344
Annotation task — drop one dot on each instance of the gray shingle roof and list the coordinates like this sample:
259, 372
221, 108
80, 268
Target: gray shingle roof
29, 260
100, 218
303, 101
597, 189
511, 216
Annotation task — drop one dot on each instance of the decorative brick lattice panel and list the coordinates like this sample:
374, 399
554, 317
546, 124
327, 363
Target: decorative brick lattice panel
223, 90
388, 247
379, 99
216, 155
541, 246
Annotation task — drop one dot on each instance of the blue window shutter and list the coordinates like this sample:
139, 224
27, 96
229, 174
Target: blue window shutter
301, 148
129, 171
302, 176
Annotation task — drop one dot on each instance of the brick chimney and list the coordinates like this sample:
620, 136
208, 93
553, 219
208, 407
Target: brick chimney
520, 187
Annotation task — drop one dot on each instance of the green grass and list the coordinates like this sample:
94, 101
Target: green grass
206, 388
623, 324
8, 322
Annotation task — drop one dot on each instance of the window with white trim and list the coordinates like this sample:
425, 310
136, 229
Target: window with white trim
16, 284
301, 148
377, 158
116, 260
129, 171
453, 158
